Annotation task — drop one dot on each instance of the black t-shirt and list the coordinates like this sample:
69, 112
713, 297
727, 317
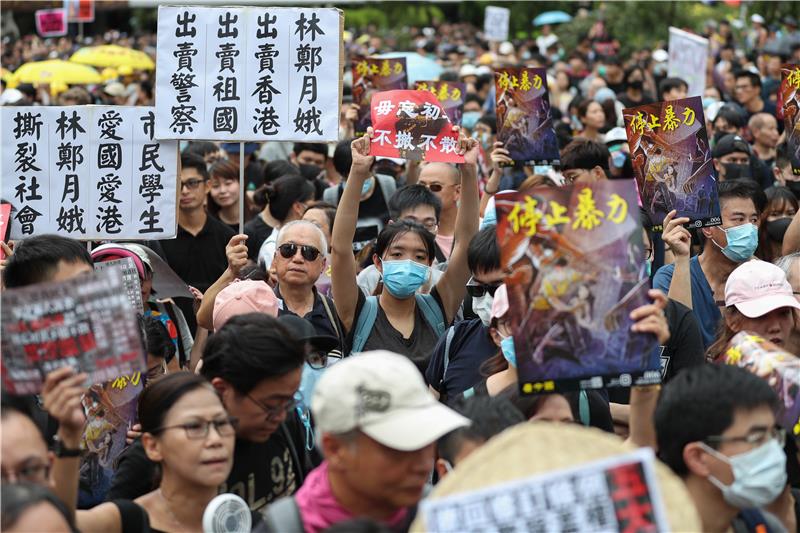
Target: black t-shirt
418, 347
257, 232
318, 317
373, 215
683, 349
469, 348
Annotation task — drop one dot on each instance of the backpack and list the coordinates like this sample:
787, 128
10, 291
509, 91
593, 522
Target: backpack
369, 312
332, 195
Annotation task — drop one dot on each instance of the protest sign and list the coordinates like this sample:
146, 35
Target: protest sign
79, 10
688, 58
524, 124
110, 410
130, 277
672, 161
778, 367
495, 23
370, 76
88, 172
412, 125
249, 74
790, 106
51, 22
86, 323
450, 95
576, 258
618, 493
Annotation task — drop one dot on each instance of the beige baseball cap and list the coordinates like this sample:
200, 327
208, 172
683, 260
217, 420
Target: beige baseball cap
383, 395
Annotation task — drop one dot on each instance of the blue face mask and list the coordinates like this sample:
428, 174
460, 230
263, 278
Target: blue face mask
742, 242
648, 268
489, 217
403, 278
507, 347
367, 186
470, 118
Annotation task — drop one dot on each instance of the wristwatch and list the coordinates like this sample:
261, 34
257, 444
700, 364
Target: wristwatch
62, 451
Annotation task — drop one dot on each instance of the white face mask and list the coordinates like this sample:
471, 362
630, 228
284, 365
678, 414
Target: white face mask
483, 308
759, 476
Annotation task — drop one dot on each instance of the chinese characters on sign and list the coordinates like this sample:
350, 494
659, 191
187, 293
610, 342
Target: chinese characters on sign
495, 23
450, 95
524, 123
130, 277
248, 74
412, 125
569, 310
790, 105
672, 161
88, 172
370, 76
619, 493
688, 57
87, 323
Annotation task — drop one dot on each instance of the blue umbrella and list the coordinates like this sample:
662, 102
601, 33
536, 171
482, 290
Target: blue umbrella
418, 67
551, 17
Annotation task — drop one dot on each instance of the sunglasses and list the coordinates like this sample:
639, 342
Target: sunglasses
289, 250
435, 187
478, 290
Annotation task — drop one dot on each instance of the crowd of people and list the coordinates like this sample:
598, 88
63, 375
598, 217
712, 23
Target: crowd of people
349, 345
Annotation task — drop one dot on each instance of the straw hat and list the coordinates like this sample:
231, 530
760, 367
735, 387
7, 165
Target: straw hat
531, 449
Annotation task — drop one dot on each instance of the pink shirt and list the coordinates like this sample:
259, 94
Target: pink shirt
445, 243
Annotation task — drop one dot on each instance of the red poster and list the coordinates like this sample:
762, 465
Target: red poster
51, 22
412, 125
5, 212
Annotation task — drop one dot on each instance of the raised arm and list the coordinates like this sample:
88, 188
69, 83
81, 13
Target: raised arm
343, 264
451, 286
499, 157
679, 240
236, 252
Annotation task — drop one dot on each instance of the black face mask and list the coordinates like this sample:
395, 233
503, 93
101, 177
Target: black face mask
719, 135
776, 229
310, 172
636, 85
735, 171
794, 186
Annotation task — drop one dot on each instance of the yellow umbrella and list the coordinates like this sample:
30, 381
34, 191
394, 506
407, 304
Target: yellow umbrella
108, 73
8, 77
56, 70
111, 55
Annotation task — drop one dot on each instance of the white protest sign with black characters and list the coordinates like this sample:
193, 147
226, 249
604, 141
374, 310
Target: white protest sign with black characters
88, 172
248, 74
495, 23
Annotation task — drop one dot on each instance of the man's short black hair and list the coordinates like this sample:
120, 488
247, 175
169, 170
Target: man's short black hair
743, 188
250, 348
318, 148
343, 158
755, 79
701, 402
36, 259
190, 160
411, 196
483, 253
585, 154
668, 84
490, 415
201, 148
732, 115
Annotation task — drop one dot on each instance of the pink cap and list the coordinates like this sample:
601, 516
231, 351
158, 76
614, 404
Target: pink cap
500, 302
757, 288
242, 297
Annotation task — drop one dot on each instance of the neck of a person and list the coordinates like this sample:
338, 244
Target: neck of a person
590, 132
299, 299
764, 152
634, 94
496, 383
185, 502
358, 503
793, 342
715, 513
268, 219
395, 307
716, 266
755, 105
447, 221
192, 220
230, 214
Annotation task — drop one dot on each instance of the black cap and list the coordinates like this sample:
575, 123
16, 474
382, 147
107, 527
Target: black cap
303, 330
731, 143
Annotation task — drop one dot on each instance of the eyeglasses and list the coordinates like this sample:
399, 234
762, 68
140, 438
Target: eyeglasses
155, 371
199, 430
758, 436
191, 184
434, 187
429, 224
319, 360
477, 290
278, 410
569, 179
32, 473
289, 250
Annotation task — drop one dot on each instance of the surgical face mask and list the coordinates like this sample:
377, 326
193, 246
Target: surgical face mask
402, 278
759, 476
707, 101
470, 118
648, 268
367, 186
719, 135
794, 186
742, 242
489, 217
507, 347
483, 308
735, 171
636, 85
310, 172
447, 465
776, 229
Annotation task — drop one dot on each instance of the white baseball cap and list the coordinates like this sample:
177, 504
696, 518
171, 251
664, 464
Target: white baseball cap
506, 48
757, 288
383, 395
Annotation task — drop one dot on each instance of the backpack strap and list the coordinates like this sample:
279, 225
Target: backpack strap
451, 332
583, 408
333, 321
283, 516
366, 319
432, 313
388, 186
